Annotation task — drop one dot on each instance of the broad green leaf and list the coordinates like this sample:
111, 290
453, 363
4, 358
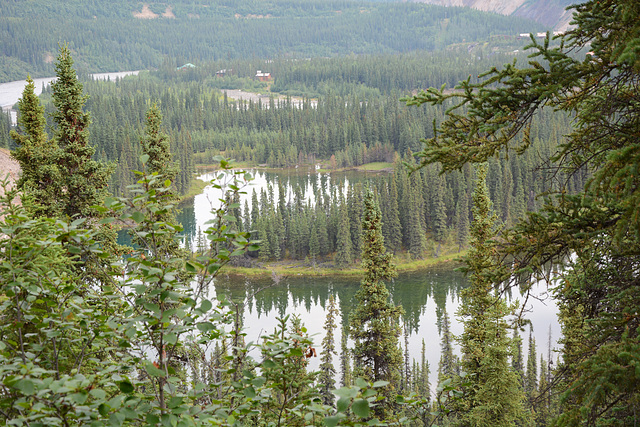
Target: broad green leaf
268, 364
206, 326
25, 386
206, 305
98, 394
249, 392
361, 383
129, 413
79, 398
350, 392
170, 338
74, 250
332, 421
137, 217
258, 382
361, 408
152, 419
116, 420
126, 386
343, 404
103, 409
153, 371
174, 402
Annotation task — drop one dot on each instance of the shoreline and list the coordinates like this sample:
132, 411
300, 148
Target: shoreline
304, 269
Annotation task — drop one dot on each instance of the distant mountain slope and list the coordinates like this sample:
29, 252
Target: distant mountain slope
551, 13
123, 35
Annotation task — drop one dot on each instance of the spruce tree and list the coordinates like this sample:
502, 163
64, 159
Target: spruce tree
321, 228
374, 322
345, 360
414, 229
155, 144
462, 215
326, 380
41, 179
314, 243
161, 173
423, 385
494, 397
354, 204
343, 238
594, 233
447, 366
393, 224
531, 376
517, 363
440, 224
543, 396
84, 180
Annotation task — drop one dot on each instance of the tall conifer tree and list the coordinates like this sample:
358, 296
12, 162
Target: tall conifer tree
41, 179
595, 234
375, 321
155, 144
84, 179
343, 238
326, 379
447, 367
495, 397
162, 173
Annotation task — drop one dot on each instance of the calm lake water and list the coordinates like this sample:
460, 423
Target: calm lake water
194, 216
424, 295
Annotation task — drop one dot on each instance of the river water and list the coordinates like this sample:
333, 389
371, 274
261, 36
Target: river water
11, 92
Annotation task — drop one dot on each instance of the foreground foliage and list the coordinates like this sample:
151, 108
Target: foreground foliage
594, 234
138, 349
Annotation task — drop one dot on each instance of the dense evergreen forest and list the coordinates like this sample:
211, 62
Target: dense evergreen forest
355, 125
115, 36
533, 167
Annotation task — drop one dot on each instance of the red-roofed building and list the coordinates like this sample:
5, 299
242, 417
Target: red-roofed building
263, 77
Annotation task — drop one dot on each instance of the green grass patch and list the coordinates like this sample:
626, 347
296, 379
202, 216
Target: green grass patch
375, 166
302, 269
197, 187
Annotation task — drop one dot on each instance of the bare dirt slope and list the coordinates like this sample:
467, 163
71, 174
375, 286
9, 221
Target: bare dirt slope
8, 166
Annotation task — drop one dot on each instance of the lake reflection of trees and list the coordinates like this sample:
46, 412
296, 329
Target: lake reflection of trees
411, 290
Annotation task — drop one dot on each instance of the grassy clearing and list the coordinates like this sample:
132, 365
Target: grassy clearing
305, 269
375, 166
197, 187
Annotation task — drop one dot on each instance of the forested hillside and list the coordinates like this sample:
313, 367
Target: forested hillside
531, 166
117, 35
357, 119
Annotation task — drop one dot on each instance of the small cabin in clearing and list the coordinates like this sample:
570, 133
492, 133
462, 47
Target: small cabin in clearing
263, 77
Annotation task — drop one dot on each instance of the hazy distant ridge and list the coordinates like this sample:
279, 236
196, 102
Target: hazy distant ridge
548, 12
